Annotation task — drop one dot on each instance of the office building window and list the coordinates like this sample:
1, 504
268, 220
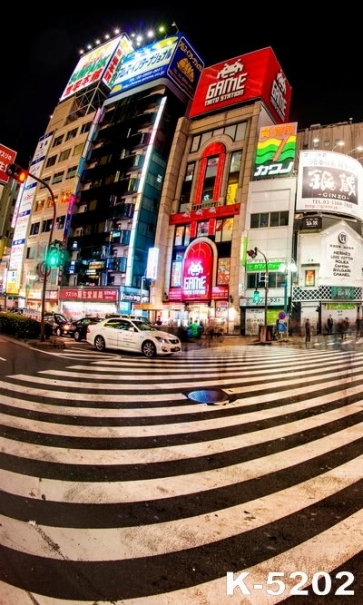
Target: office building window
39, 205
233, 177
57, 177
78, 149
30, 252
58, 140
47, 225
71, 172
182, 235
34, 229
51, 161
224, 228
86, 127
64, 155
269, 219
71, 134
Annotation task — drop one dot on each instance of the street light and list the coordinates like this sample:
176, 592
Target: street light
18, 174
288, 268
359, 148
338, 144
253, 253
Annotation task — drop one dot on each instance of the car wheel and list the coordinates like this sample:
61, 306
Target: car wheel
77, 336
148, 348
58, 332
100, 344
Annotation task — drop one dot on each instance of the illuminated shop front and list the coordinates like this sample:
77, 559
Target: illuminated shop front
199, 285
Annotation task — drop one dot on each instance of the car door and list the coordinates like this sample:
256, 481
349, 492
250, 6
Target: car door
125, 335
110, 332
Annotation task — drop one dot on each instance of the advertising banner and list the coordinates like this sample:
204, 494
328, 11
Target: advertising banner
342, 256
94, 294
256, 75
100, 63
197, 272
173, 58
276, 149
7, 156
22, 212
329, 182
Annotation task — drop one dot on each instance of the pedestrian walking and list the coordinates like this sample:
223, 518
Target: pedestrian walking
330, 324
307, 330
346, 328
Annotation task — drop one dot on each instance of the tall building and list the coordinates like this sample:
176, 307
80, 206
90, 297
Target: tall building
328, 225
116, 210
44, 204
99, 171
201, 234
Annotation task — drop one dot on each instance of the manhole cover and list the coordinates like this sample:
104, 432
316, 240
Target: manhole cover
209, 396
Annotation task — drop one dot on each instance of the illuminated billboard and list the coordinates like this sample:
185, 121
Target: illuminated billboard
256, 75
276, 150
329, 182
197, 272
173, 58
22, 215
100, 64
7, 156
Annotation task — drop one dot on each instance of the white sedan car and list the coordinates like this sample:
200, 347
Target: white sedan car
132, 335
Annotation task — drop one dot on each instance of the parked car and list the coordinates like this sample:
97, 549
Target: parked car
132, 335
60, 324
78, 328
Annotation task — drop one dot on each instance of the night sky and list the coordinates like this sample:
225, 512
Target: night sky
321, 66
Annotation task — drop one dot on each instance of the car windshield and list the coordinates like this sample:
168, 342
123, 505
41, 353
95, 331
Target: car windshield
59, 317
144, 326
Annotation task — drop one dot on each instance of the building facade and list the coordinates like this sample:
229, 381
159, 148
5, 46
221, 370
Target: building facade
164, 174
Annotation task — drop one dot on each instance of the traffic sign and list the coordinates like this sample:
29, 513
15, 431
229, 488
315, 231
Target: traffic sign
7, 156
43, 270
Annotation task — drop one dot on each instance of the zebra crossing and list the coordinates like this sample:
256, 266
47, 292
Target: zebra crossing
116, 487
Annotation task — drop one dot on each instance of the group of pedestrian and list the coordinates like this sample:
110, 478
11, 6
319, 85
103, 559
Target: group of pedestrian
340, 328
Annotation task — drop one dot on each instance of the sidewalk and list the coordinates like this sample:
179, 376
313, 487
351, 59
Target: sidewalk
318, 341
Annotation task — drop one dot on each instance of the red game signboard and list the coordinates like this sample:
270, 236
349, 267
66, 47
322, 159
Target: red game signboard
7, 156
256, 75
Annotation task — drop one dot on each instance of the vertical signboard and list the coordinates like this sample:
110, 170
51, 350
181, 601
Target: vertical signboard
197, 272
7, 156
276, 150
22, 215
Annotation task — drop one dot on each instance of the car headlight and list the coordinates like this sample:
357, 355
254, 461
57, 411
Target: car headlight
160, 339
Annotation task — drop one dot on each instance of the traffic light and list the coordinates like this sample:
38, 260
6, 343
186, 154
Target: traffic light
256, 296
18, 173
54, 257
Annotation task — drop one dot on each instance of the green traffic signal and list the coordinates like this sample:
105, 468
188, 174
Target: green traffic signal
54, 258
256, 296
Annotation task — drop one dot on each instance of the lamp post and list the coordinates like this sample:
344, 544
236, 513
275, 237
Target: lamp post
288, 268
358, 148
46, 268
253, 253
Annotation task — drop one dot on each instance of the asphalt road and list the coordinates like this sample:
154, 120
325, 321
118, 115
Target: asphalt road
118, 485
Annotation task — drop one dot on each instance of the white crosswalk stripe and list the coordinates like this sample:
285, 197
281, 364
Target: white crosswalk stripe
117, 487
